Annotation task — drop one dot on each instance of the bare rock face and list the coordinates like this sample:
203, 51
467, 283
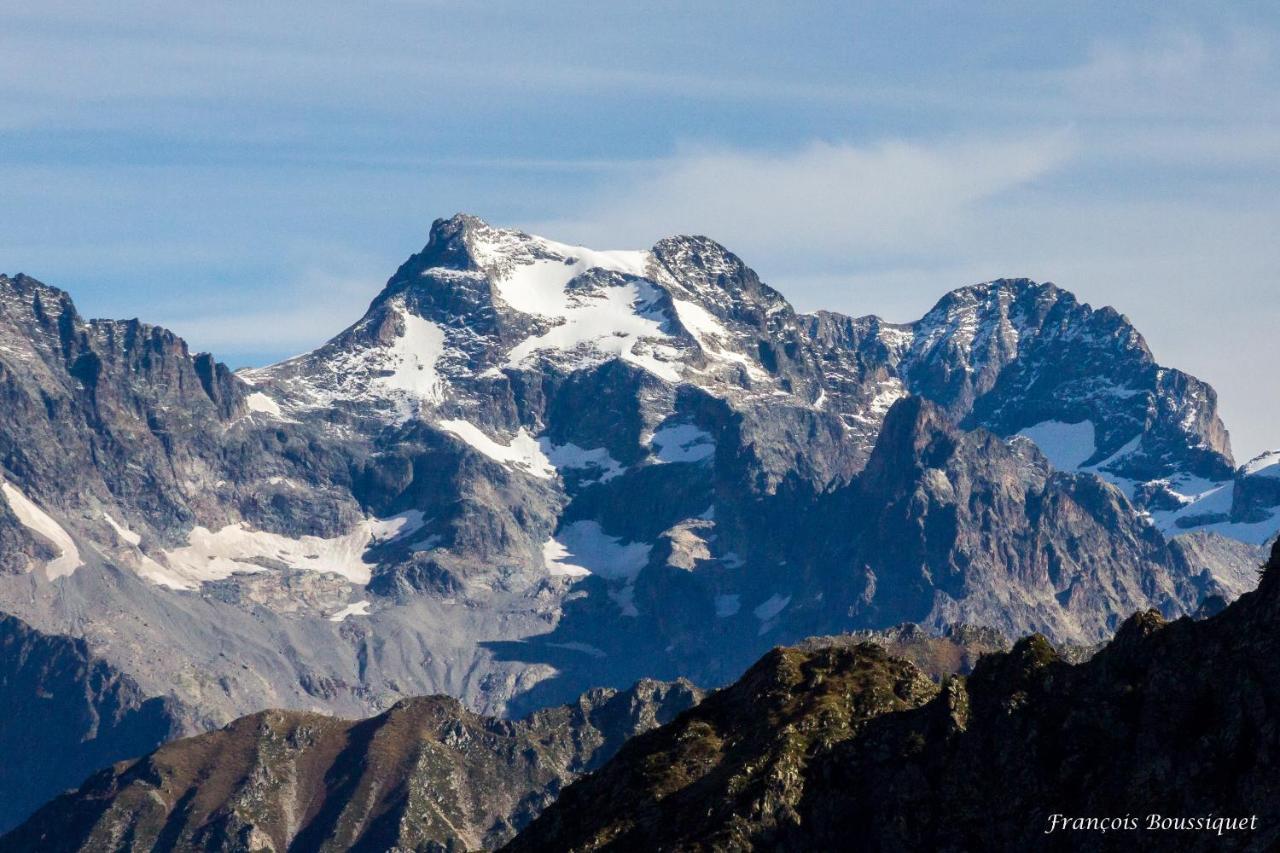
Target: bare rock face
846, 746
425, 775
66, 713
952, 526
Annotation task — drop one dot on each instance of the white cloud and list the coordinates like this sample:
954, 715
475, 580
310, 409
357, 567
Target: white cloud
825, 197
1180, 74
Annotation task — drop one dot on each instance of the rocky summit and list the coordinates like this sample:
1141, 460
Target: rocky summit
1166, 735
533, 468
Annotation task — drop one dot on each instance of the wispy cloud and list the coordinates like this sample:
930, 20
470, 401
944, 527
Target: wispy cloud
829, 198
1180, 74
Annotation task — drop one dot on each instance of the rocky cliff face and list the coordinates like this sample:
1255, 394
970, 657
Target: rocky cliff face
65, 715
425, 775
850, 746
946, 525
532, 468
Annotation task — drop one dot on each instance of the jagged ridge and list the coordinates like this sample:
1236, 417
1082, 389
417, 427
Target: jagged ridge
427, 774
1168, 719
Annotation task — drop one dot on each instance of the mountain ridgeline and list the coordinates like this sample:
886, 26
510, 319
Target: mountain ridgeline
531, 469
1166, 733
426, 774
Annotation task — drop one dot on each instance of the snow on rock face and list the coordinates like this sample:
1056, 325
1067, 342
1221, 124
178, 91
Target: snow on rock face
583, 548
125, 534
213, 555
713, 337
412, 359
1264, 465
1066, 446
767, 611
1208, 510
401, 368
682, 443
615, 321
571, 456
531, 272
359, 608
259, 402
1194, 503
38, 521
523, 453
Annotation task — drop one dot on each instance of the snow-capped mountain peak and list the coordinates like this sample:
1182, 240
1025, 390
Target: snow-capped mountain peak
480, 307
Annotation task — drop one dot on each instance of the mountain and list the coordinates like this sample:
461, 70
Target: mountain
811, 750
425, 775
439, 774
66, 714
533, 468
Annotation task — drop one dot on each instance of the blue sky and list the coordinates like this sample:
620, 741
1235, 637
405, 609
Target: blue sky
250, 176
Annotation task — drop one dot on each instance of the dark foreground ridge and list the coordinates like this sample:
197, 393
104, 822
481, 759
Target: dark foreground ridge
425, 775
848, 748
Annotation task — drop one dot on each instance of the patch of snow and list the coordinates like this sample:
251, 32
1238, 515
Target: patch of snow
1066, 446
889, 392
700, 322
767, 612
771, 607
427, 543
895, 338
125, 534
711, 335
359, 608
530, 273
625, 598
236, 548
447, 273
583, 548
609, 322
38, 521
1263, 465
412, 359
572, 456
402, 371
523, 453
145, 566
682, 443
1254, 533
260, 402
1209, 499
728, 605
398, 526
556, 557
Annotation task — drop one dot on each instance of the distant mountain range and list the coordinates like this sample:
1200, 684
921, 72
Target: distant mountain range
532, 469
